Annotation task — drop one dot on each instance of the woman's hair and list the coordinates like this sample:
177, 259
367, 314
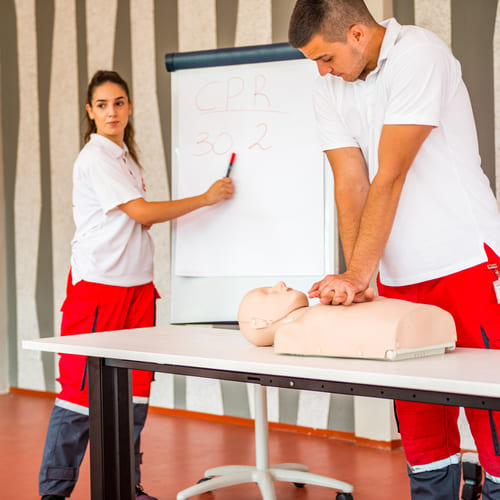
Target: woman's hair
100, 77
329, 18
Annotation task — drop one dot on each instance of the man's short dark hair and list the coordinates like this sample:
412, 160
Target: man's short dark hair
329, 18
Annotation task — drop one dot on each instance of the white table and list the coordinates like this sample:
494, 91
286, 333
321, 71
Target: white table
464, 377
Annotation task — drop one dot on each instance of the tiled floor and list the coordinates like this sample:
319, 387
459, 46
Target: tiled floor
177, 450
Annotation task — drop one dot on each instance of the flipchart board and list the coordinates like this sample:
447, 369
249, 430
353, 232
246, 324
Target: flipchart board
280, 225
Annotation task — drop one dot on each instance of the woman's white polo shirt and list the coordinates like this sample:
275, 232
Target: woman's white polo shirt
108, 247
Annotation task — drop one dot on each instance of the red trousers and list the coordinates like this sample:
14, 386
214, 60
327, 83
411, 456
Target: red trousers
93, 307
429, 432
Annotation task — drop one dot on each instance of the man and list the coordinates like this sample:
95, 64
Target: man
396, 124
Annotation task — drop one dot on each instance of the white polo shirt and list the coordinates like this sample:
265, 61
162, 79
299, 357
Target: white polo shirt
108, 247
447, 209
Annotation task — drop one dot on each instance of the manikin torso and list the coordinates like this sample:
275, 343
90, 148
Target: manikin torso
373, 329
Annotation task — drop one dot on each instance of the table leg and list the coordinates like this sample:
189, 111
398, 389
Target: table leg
111, 432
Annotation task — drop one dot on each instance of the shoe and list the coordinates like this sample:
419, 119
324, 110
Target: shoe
53, 497
140, 494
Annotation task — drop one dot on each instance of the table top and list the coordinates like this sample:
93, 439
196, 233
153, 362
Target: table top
462, 371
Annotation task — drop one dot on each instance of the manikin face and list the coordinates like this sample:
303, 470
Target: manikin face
110, 109
261, 307
342, 59
274, 302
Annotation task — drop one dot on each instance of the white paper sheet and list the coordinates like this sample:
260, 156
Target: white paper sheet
274, 225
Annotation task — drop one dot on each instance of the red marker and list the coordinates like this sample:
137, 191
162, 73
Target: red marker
230, 166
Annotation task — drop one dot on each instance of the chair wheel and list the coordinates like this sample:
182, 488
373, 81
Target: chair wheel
203, 479
343, 496
299, 485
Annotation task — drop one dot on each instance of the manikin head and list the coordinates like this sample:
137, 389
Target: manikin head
262, 309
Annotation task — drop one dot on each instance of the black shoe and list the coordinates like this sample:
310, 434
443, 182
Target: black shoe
53, 497
140, 494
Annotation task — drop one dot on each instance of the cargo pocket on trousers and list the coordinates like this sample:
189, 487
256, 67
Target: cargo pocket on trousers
78, 318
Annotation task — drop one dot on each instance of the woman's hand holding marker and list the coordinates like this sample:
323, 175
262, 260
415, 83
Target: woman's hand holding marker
220, 190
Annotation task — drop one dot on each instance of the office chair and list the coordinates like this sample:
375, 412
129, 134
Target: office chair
263, 473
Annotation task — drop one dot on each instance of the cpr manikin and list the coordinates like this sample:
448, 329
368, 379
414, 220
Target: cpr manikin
383, 328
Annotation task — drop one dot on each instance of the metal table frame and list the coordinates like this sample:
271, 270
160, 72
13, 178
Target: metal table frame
465, 377
110, 412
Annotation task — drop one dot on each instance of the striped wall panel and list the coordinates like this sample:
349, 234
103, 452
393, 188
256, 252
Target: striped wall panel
496, 76
472, 34
27, 194
64, 146
9, 115
4, 353
198, 18
380, 9
253, 22
435, 15
100, 20
146, 118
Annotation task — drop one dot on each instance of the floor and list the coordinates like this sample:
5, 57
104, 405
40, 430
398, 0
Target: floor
177, 450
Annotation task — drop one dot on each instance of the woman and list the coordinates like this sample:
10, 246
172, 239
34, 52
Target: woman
110, 285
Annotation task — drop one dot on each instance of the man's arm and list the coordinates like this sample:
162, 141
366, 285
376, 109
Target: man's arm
351, 184
351, 189
399, 144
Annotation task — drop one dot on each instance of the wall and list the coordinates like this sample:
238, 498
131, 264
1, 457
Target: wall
48, 52
4, 359
58, 44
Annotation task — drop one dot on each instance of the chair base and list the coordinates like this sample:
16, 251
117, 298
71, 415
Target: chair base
220, 477
263, 474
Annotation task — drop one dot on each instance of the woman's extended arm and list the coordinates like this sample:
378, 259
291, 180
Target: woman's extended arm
152, 212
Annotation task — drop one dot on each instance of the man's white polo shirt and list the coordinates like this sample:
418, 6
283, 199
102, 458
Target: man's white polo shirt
108, 247
447, 210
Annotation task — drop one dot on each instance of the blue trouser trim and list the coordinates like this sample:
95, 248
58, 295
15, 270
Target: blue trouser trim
486, 340
65, 445
494, 432
94, 329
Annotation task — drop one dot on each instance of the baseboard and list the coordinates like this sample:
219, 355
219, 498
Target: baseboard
381, 445
246, 422
279, 426
32, 392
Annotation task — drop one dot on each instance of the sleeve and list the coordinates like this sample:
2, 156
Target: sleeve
333, 132
112, 182
419, 82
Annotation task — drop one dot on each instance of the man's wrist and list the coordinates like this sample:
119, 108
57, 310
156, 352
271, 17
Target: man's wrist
360, 274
